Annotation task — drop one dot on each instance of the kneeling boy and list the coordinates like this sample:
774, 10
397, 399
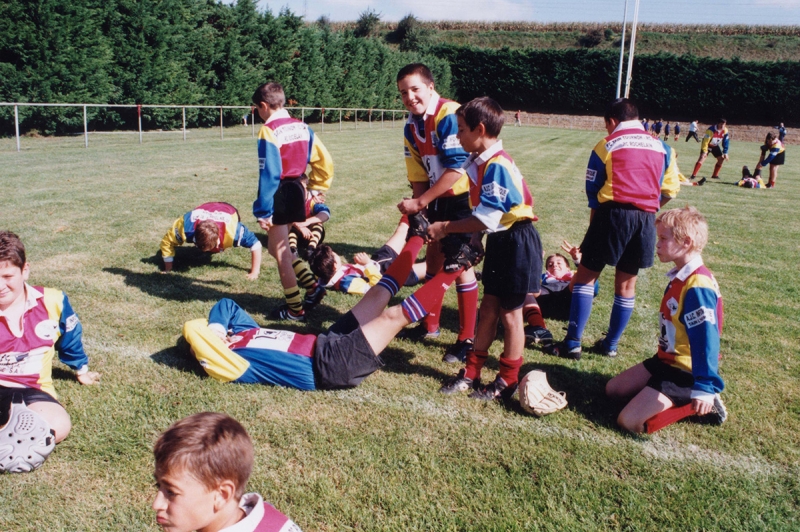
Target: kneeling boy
213, 228
685, 368
203, 463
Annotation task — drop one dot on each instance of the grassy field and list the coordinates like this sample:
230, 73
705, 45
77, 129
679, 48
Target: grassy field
394, 454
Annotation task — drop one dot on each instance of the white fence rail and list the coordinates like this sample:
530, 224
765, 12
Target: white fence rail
394, 114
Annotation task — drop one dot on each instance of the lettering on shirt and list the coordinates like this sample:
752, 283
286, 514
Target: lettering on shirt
222, 217
262, 162
591, 175
495, 190
699, 316
291, 132
406, 151
451, 143
634, 141
72, 322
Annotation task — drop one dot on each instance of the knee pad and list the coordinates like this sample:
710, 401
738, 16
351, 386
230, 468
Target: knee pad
26, 439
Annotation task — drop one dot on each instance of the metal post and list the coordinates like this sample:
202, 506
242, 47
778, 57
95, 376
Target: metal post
220, 123
85, 130
381, 118
622, 49
322, 119
392, 119
633, 47
184, 123
139, 110
253, 120
16, 123
356, 116
340, 119
369, 117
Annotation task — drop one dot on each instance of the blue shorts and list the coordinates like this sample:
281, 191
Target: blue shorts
512, 267
619, 235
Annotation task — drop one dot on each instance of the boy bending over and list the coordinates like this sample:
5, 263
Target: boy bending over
685, 368
502, 205
35, 323
213, 228
232, 348
203, 463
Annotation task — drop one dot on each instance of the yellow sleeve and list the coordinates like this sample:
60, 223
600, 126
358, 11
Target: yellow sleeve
321, 162
373, 273
414, 166
358, 286
671, 183
217, 360
171, 240
706, 141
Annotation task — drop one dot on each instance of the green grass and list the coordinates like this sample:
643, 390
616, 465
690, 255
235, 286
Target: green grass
394, 454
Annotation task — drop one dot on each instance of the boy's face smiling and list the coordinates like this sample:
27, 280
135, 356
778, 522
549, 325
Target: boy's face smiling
469, 139
557, 266
416, 94
12, 283
183, 504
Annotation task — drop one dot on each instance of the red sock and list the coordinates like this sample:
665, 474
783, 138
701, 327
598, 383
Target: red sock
697, 168
717, 168
467, 309
429, 296
509, 370
533, 315
402, 265
475, 362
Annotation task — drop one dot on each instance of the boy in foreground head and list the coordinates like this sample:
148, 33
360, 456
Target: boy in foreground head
502, 206
35, 323
685, 368
203, 463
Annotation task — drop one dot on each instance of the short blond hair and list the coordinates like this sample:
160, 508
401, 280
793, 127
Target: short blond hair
209, 446
686, 222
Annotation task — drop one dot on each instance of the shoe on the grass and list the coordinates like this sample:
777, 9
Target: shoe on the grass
458, 255
535, 334
561, 350
417, 226
599, 348
26, 439
701, 182
285, 313
497, 389
314, 296
459, 383
418, 333
718, 413
458, 351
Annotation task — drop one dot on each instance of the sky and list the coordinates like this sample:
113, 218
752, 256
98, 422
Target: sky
749, 12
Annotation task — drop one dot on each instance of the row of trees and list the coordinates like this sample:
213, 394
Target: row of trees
193, 52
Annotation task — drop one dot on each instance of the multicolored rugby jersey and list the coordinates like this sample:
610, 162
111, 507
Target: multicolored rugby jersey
48, 325
691, 324
227, 219
261, 516
254, 355
355, 279
286, 147
432, 146
630, 166
716, 137
774, 150
498, 193
314, 206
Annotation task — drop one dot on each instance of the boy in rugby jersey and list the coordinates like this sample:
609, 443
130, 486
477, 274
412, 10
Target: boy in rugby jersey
286, 148
213, 228
717, 141
502, 206
434, 160
685, 369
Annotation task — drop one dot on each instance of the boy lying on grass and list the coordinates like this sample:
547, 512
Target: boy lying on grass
202, 466
213, 228
35, 323
685, 368
231, 347
366, 270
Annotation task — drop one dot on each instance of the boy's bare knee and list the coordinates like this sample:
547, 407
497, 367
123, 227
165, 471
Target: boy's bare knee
56, 417
628, 423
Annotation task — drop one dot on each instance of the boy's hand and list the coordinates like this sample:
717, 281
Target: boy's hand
436, 231
361, 258
410, 206
701, 407
265, 223
574, 251
252, 276
89, 378
305, 231
319, 197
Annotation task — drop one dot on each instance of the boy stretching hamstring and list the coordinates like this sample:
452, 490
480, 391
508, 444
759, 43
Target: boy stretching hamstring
232, 348
203, 463
685, 368
503, 207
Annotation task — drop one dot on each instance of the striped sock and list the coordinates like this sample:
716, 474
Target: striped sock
579, 312
430, 295
533, 315
303, 273
467, 309
402, 265
620, 315
293, 299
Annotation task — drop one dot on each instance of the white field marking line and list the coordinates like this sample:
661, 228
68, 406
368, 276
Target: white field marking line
659, 447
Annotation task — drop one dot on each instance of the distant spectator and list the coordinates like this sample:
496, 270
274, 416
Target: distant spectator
677, 131
666, 132
657, 128
693, 131
781, 131
646, 124
518, 122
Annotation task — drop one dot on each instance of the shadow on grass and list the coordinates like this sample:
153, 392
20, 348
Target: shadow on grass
398, 360
178, 357
191, 257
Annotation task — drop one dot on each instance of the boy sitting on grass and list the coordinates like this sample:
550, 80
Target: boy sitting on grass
231, 347
213, 228
366, 270
685, 368
203, 463
502, 206
35, 323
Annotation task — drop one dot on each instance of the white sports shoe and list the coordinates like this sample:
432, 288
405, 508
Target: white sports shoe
537, 397
26, 439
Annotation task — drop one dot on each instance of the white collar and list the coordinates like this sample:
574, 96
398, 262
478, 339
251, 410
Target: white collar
487, 154
253, 506
280, 113
682, 273
629, 124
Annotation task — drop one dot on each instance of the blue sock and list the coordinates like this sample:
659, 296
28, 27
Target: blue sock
579, 311
620, 315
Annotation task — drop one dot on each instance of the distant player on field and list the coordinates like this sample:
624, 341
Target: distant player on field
717, 141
